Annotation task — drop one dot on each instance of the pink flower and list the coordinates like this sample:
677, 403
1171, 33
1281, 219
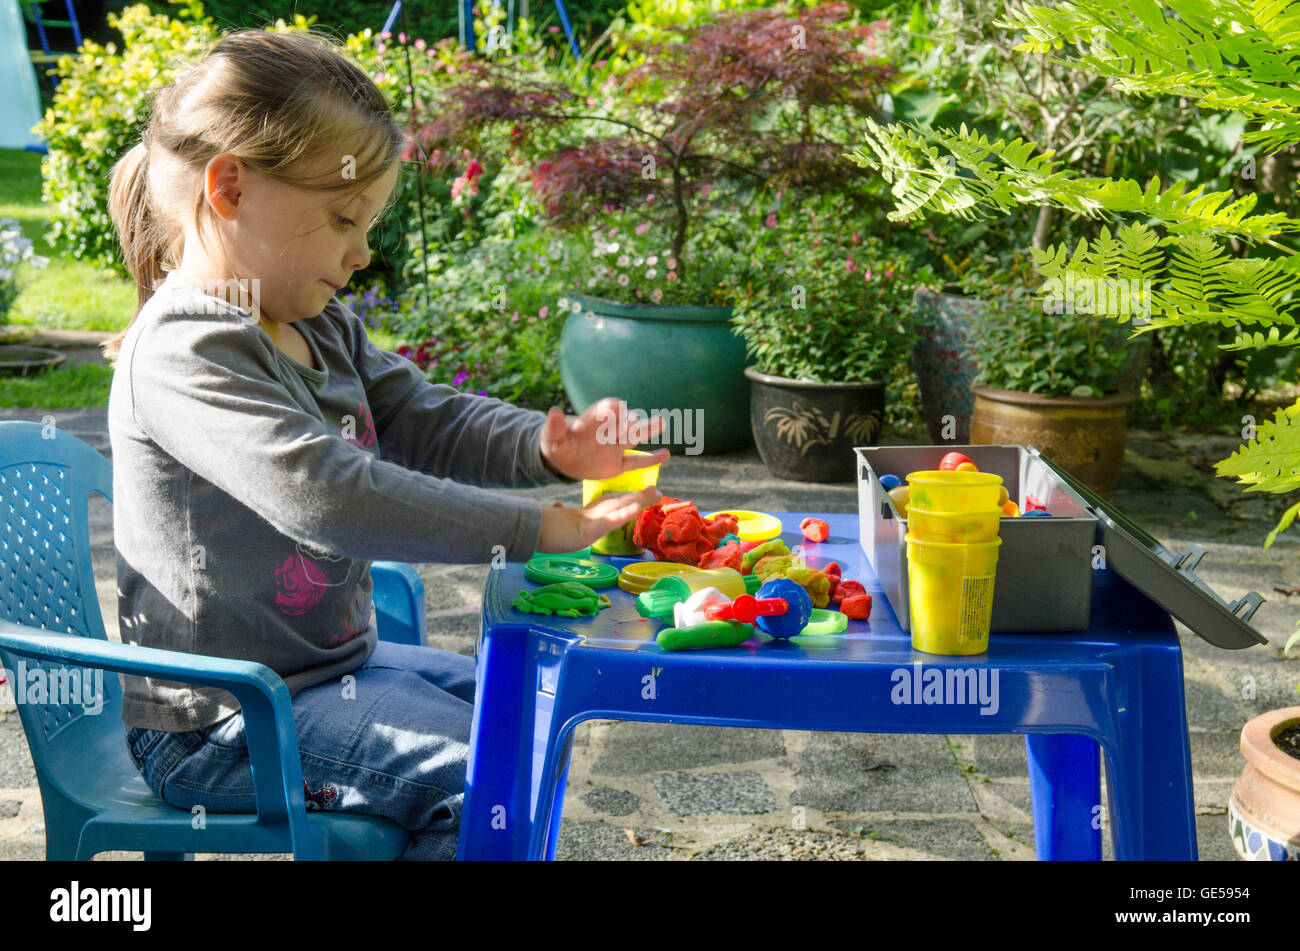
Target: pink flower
600, 63
607, 207
401, 37
650, 197
706, 190
640, 229
856, 239
771, 219
543, 312
929, 234
848, 263
552, 29
474, 170
672, 275
459, 378
420, 45
867, 275
779, 193
380, 48
514, 317
888, 273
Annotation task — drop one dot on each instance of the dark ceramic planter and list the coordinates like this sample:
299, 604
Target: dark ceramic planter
681, 362
806, 431
943, 374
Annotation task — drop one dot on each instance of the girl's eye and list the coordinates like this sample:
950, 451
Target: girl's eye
345, 222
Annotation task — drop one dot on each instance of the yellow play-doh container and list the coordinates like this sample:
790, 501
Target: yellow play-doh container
953, 526
619, 541
944, 491
950, 593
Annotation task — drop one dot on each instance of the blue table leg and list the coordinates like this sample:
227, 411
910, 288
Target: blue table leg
494, 822
1149, 771
1065, 788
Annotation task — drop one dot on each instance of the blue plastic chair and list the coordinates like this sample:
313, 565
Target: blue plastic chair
1118, 684
93, 797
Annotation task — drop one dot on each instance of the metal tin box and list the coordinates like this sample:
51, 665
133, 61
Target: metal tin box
1044, 573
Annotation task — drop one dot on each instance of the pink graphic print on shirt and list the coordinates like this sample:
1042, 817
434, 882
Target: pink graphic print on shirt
297, 592
368, 427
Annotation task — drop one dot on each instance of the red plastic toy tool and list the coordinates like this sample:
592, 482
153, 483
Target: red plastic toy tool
746, 608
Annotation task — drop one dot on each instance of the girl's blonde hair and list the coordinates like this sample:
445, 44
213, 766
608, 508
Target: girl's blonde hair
283, 103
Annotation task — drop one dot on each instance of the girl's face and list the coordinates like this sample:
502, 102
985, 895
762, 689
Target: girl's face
301, 245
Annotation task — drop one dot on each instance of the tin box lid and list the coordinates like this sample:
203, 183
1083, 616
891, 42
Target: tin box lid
1168, 579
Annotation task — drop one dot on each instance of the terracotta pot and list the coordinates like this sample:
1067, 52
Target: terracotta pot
1264, 809
1085, 436
806, 431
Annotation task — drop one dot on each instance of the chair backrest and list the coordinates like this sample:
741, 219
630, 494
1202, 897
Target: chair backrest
72, 716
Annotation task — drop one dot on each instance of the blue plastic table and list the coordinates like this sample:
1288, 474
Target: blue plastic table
1118, 684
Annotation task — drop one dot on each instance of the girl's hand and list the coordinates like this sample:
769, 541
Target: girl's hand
569, 529
591, 446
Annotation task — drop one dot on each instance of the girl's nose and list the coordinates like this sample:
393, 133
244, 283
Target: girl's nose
358, 254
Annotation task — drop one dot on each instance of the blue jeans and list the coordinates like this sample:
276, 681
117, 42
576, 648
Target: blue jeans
392, 743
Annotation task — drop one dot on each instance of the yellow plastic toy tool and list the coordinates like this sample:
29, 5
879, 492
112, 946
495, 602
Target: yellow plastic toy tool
754, 526
640, 575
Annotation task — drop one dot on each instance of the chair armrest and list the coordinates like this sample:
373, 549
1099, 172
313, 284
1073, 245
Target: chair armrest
263, 699
399, 603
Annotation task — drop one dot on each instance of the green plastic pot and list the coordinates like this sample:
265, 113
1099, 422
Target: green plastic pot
681, 362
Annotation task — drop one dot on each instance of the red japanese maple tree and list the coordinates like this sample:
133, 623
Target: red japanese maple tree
746, 100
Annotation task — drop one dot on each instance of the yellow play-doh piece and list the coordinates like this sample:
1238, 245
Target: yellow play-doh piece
967, 467
753, 526
1002, 496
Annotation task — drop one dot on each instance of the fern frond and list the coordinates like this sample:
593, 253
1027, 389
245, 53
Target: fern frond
1283, 524
1271, 461
1229, 55
1249, 341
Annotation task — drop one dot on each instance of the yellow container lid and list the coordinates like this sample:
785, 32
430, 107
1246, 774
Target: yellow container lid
753, 526
639, 576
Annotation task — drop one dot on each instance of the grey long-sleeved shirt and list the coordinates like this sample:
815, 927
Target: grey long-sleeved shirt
252, 492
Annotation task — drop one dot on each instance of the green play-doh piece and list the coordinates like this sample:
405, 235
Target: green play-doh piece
708, 634
568, 598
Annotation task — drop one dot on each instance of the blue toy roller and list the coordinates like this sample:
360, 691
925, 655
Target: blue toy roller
795, 619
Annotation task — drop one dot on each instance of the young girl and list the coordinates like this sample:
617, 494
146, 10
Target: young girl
265, 451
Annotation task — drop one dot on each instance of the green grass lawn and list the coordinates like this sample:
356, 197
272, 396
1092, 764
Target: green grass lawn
68, 294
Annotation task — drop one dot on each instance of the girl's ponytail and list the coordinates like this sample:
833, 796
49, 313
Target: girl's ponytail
142, 238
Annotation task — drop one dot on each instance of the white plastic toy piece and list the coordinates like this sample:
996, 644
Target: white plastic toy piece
690, 612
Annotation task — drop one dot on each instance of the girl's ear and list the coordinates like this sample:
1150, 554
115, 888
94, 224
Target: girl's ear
224, 184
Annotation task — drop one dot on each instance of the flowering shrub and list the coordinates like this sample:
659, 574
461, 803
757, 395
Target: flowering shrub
650, 148
15, 250
822, 299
